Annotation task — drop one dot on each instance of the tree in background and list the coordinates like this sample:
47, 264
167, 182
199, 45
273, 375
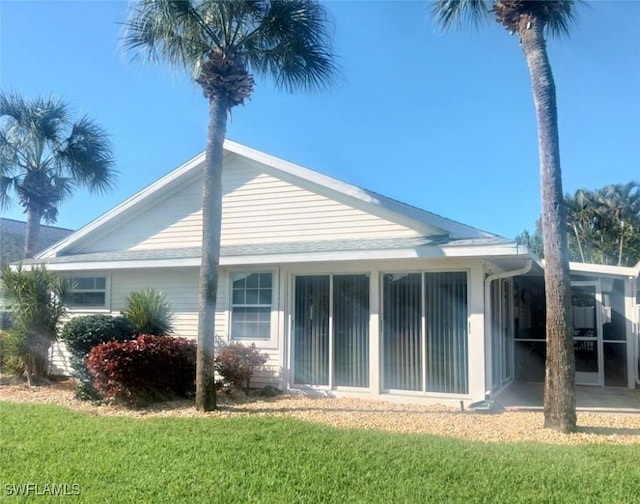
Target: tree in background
45, 157
531, 20
223, 43
603, 225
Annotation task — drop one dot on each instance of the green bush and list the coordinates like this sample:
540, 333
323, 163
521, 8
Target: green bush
81, 334
236, 363
36, 297
149, 312
11, 354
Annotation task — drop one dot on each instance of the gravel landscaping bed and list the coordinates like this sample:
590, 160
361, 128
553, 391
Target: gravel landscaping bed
504, 426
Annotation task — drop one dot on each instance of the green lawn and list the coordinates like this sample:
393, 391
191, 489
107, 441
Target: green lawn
265, 459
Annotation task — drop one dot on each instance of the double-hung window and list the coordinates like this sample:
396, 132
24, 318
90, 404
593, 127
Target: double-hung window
87, 292
251, 304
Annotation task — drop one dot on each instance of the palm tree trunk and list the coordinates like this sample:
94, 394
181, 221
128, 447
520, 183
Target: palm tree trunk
559, 393
34, 215
211, 226
575, 231
621, 243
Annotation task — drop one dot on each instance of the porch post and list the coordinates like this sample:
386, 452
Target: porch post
375, 356
629, 317
477, 378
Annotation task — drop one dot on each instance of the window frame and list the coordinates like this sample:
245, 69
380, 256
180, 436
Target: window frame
90, 308
266, 342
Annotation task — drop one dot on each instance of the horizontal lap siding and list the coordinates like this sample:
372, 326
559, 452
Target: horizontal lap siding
257, 208
174, 221
266, 209
180, 286
271, 373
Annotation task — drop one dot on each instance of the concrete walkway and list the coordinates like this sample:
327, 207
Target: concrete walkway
530, 396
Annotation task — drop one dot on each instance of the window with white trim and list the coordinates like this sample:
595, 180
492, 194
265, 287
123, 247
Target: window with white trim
251, 304
87, 292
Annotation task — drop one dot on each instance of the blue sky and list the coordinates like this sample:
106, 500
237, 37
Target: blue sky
442, 121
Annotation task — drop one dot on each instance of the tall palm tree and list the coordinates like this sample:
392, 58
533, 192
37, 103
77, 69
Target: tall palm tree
223, 43
531, 20
621, 206
45, 157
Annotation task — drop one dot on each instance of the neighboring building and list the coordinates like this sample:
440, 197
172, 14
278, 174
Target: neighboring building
346, 290
12, 235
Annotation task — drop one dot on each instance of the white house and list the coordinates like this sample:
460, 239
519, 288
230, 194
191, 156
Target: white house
346, 290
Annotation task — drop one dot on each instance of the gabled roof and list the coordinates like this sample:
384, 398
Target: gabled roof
192, 168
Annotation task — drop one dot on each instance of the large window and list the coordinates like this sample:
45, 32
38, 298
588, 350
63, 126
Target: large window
331, 331
88, 292
425, 332
251, 302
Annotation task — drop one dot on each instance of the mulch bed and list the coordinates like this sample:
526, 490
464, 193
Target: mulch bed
350, 413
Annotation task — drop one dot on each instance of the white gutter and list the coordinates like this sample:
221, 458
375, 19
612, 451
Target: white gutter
487, 315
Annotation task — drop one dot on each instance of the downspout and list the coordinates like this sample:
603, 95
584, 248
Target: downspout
487, 315
636, 324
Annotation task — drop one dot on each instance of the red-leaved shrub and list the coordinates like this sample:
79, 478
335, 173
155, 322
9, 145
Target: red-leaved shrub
236, 363
147, 369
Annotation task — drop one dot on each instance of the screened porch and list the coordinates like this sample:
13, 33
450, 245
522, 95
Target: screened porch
603, 318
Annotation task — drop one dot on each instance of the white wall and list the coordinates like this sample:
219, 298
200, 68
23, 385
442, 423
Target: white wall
257, 208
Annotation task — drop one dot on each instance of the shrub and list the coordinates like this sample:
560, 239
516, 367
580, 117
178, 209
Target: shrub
149, 312
236, 363
36, 296
81, 334
150, 368
11, 354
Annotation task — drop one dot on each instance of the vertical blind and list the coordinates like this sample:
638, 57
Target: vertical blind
443, 307
446, 327
351, 330
424, 340
311, 344
402, 340
348, 318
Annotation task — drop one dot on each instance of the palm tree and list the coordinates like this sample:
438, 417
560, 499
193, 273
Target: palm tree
581, 218
531, 20
223, 43
45, 157
37, 298
621, 206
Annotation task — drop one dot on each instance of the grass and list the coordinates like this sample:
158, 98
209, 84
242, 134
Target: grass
275, 460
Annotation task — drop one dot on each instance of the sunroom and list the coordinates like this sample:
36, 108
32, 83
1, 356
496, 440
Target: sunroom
604, 315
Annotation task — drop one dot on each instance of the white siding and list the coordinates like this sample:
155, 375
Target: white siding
180, 286
264, 209
257, 208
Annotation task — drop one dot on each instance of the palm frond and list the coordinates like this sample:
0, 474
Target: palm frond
167, 30
13, 106
560, 15
7, 184
87, 155
48, 118
450, 13
292, 44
